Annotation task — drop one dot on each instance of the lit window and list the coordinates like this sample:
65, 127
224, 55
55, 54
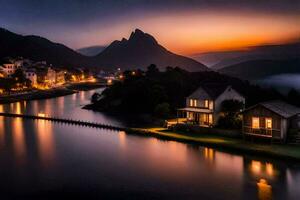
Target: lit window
191, 102
195, 103
206, 103
210, 119
255, 122
268, 123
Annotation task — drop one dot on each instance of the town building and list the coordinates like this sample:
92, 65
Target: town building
50, 78
31, 75
8, 68
60, 77
203, 106
271, 119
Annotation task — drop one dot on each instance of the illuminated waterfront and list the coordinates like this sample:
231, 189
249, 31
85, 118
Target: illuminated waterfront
40, 157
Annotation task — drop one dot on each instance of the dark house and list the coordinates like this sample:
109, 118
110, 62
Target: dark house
270, 119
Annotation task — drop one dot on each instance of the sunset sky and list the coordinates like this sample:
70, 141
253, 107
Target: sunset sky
185, 27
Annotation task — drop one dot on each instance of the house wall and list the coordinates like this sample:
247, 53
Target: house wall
228, 94
200, 103
32, 77
278, 122
284, 128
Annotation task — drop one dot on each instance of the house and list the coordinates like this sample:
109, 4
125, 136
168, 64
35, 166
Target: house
8, 68
204, 105
32, 76
50, 78
60, 77
270, 119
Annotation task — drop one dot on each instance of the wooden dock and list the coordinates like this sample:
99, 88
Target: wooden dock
64, 120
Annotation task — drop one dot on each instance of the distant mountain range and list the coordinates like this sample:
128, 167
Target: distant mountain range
139, 51
255, 62
91, 51
219, 60
258, 69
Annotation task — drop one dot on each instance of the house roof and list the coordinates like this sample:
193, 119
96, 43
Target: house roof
279, 107
209, 91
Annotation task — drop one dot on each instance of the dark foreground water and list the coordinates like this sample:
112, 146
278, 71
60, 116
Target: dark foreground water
45, 160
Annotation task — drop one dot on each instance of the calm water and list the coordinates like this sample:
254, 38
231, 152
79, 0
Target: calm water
43, 159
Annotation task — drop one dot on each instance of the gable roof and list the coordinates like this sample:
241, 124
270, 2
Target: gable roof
279, 107
209, 91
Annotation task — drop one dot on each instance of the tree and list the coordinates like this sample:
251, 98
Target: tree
152, 70
95, 97
20, 78
162, 110
293, 97
230, 114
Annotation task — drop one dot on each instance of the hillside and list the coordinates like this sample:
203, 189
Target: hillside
139, 51
256, 69
219, 60
38, 48
91, 51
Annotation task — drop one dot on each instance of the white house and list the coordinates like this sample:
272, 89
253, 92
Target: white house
204, 105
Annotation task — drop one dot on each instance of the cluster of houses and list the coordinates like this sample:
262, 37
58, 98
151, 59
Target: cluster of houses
40, 74
272, 119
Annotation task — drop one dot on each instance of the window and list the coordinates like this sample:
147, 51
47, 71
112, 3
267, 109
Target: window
268, 123
206, 102
210, 119
255, 122
193, 103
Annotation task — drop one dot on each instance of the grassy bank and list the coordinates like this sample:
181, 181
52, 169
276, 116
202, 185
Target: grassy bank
51, 93
278, 151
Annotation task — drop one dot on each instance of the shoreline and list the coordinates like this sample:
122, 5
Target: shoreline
284, 152
51, 93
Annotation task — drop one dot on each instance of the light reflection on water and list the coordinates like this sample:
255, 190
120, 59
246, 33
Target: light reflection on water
46, 156
45, 143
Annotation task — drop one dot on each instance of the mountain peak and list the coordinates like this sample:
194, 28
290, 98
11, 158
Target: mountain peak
140, 36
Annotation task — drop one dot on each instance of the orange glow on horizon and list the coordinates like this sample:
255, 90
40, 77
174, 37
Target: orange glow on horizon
193, 32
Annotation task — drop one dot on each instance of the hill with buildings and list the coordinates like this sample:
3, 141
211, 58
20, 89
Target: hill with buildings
39, 49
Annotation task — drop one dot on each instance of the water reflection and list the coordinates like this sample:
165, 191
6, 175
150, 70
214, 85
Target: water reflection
2, 131
262, 169
209, 154
264, 190
45, 142
19, 140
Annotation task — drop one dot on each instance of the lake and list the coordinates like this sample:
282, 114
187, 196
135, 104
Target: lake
46, 160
